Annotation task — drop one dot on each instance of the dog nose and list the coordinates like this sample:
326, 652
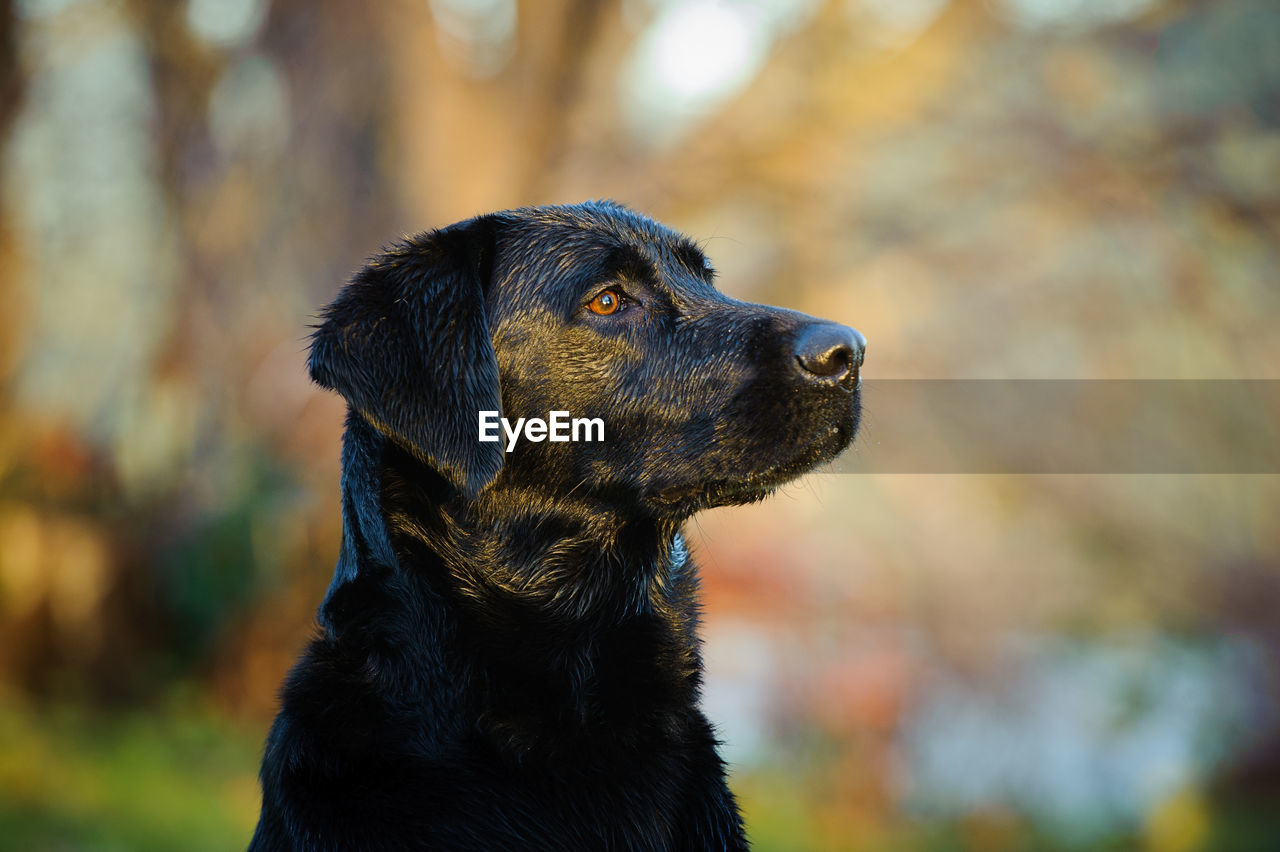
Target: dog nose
830, 351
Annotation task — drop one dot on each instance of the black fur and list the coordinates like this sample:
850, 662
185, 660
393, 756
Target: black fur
507, 656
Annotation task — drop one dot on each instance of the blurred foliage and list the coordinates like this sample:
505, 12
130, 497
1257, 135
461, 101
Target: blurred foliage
161, 777
986, 188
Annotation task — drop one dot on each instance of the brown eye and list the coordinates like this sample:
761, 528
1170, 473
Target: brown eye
605, 303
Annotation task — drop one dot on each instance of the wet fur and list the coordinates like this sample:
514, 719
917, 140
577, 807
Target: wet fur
507, 657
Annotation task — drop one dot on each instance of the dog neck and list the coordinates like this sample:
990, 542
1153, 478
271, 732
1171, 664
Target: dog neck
561, 560
564, 609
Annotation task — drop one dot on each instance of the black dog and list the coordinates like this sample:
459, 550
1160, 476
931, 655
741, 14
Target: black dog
507, 656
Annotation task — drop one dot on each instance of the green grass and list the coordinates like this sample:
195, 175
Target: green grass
71, 779
181, 777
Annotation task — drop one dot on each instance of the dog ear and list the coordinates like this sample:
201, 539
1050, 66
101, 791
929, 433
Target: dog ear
407, 343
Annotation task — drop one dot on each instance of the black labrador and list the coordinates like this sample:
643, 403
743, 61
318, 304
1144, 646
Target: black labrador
507, 658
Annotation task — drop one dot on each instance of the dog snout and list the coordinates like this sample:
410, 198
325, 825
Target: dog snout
830, 352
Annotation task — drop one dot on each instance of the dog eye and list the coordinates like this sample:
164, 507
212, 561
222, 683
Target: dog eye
606, 302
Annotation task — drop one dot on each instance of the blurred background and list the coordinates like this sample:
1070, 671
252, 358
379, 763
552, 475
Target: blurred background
994, 189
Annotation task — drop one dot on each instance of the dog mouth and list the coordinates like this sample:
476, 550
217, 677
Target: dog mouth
828, 444
759, 483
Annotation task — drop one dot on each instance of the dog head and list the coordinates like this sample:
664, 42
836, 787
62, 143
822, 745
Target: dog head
598, 311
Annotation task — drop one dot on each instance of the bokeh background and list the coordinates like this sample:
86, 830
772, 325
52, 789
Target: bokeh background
1082, 189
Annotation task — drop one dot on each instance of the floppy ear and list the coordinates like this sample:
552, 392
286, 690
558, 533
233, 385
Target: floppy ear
407, 343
